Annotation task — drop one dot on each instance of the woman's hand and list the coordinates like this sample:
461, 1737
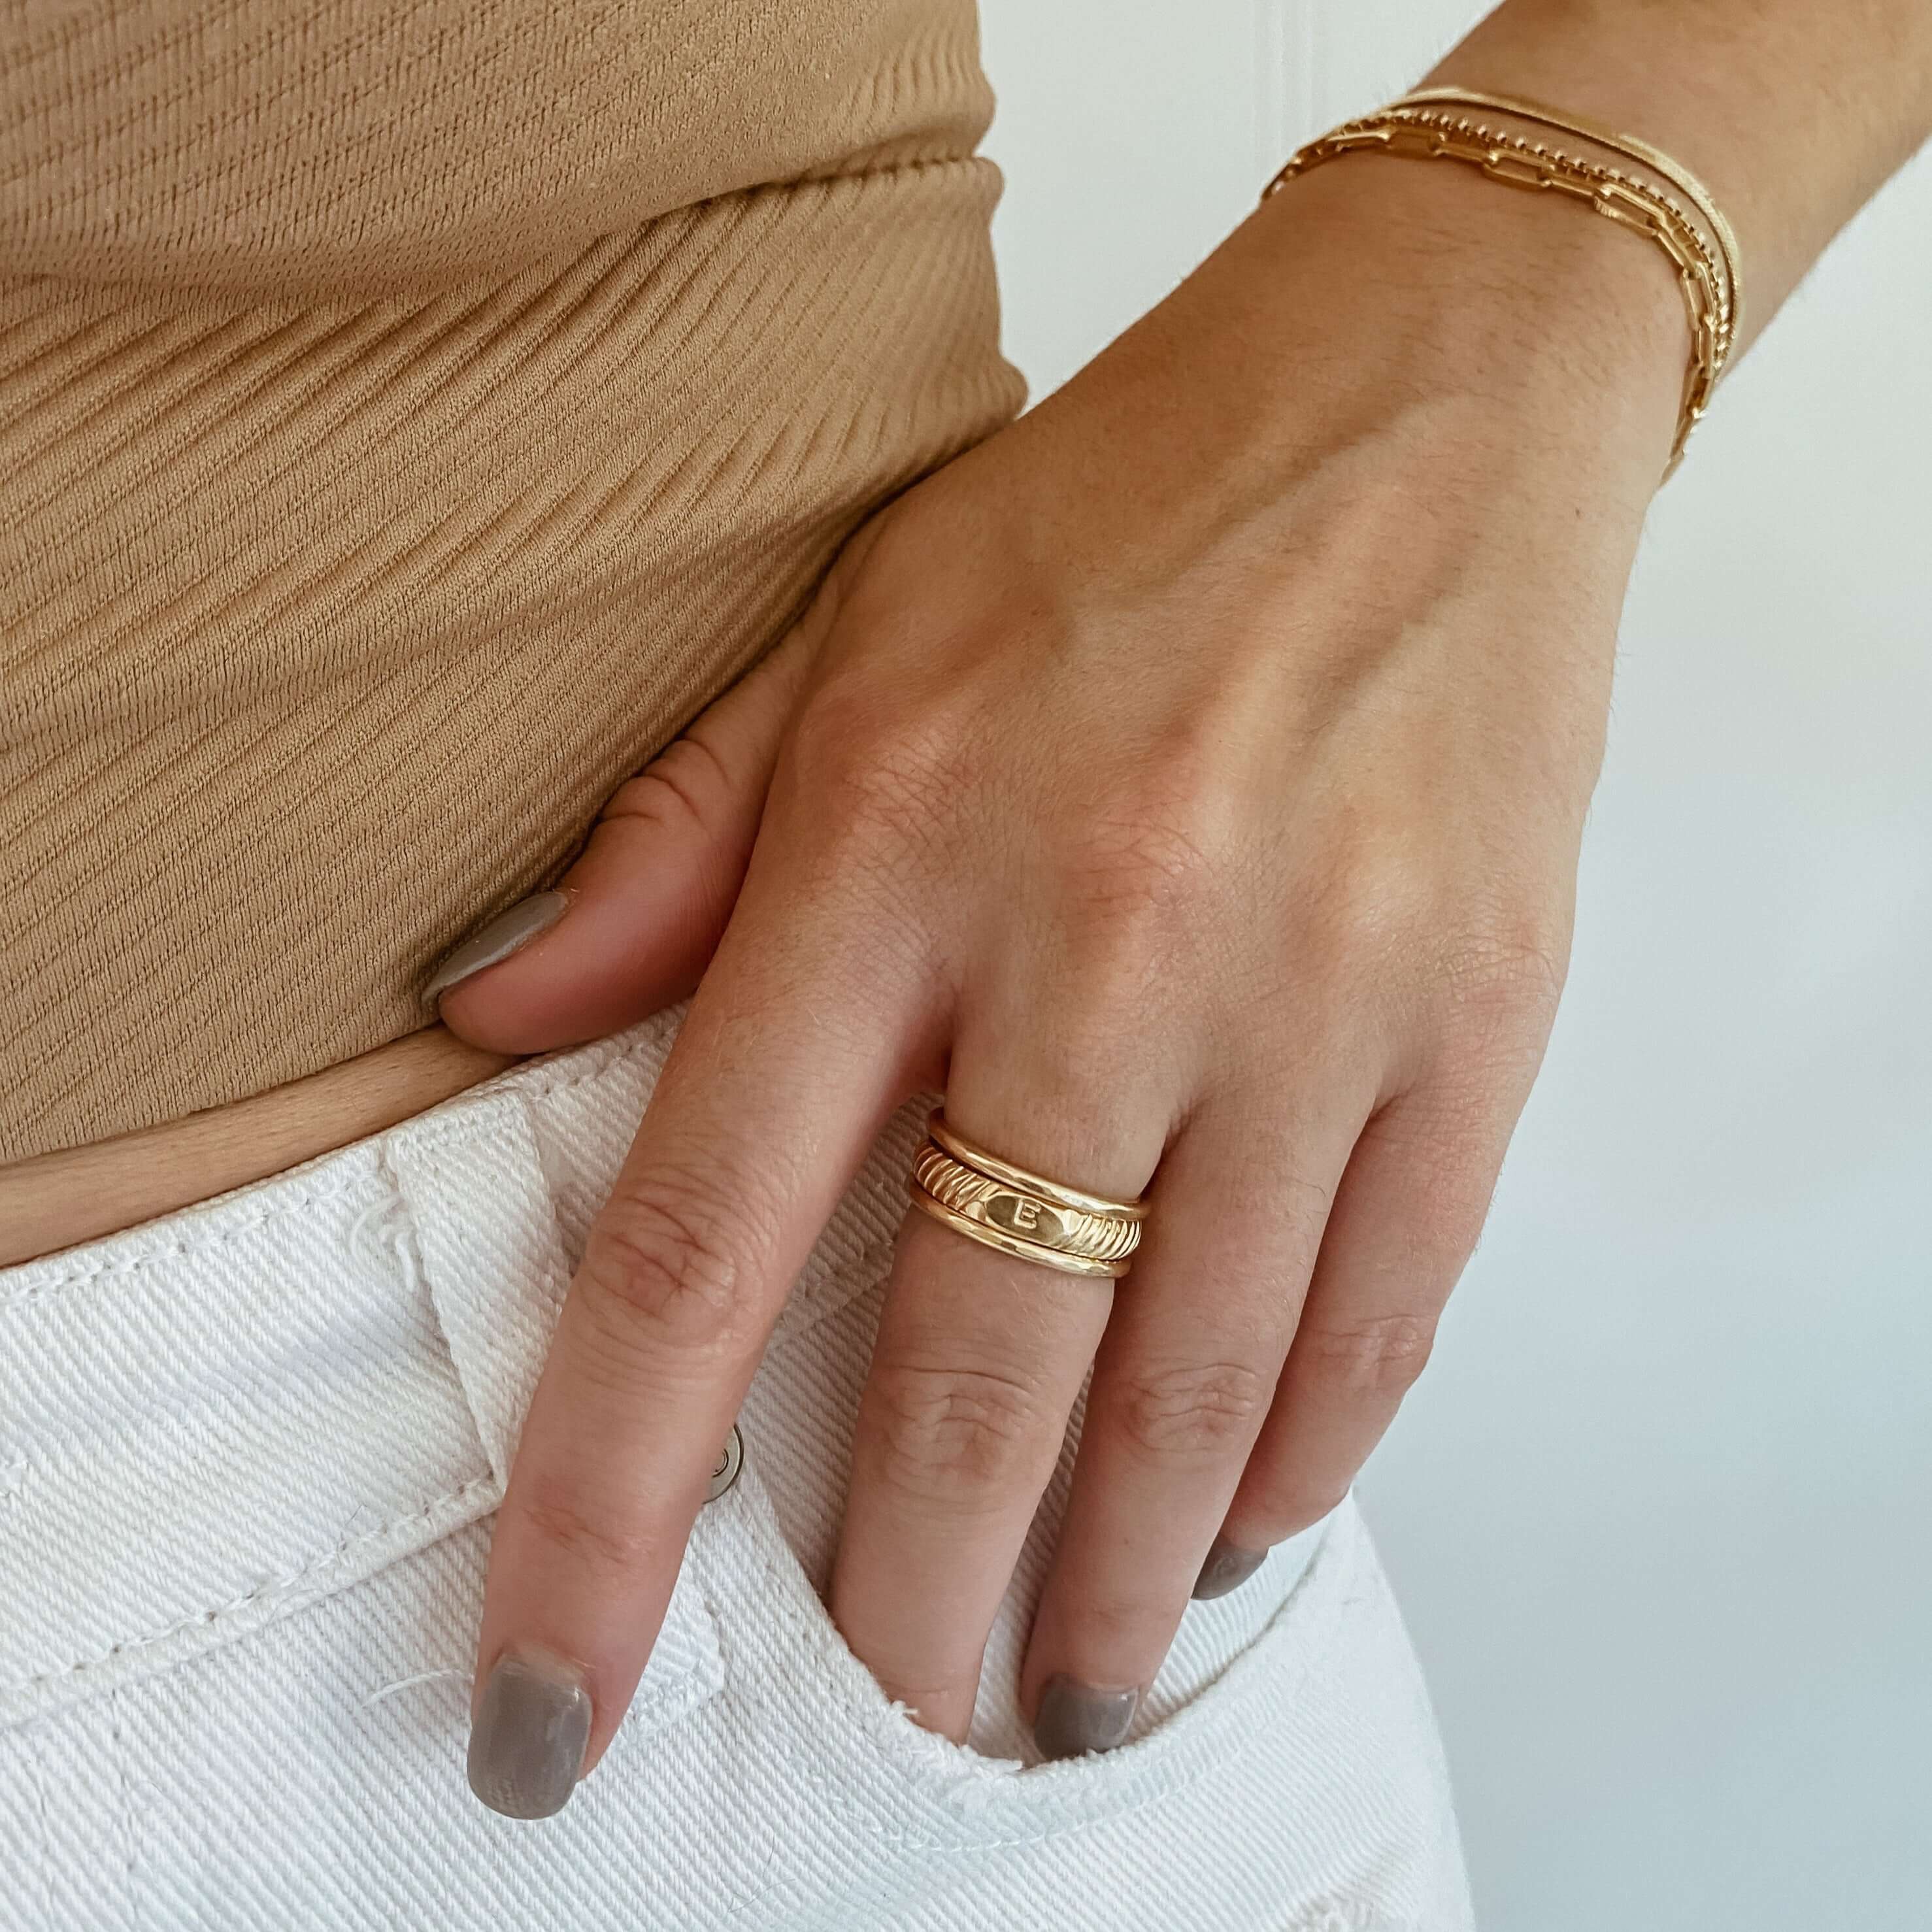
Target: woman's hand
1189, 781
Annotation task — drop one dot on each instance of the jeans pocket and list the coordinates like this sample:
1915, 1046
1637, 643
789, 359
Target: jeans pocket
1301, 1785
215, 1419
784, 1650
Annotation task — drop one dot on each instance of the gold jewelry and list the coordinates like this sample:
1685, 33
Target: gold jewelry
1674, 172
1009, 1244
1708, 279
1022, 1213
962, 1150
991, 1200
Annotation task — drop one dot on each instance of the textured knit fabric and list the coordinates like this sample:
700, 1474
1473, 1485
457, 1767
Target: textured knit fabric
412, 412
248, 1453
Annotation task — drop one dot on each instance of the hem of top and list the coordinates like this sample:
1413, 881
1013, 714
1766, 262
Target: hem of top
200, 1225
824, 175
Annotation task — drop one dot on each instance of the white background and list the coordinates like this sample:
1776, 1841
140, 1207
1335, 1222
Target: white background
1660, 1512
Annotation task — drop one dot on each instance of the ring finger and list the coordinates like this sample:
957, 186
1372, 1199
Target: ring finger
1181, 1389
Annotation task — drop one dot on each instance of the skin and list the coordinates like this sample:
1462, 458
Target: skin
1328, 804
1209, 823
1188, 781
1792, 113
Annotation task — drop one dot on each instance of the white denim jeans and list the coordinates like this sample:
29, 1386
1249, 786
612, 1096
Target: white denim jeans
248, 1455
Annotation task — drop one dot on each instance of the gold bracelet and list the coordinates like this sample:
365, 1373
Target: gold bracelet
1674, 172
1707, 278
1720, 272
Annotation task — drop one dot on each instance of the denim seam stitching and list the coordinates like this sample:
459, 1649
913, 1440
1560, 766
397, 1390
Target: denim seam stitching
317, 1568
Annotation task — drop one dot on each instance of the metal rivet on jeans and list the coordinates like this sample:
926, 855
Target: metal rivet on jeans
731, 1460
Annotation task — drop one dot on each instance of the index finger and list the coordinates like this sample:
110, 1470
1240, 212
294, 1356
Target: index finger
781, 1079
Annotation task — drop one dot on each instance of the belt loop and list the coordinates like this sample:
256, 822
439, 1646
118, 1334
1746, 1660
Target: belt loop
487, 1240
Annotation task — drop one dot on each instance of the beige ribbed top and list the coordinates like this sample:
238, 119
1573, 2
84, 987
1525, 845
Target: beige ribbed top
410, 415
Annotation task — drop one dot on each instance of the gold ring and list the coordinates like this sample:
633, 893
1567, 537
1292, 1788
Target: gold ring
961, 1149
1011, 1244
1026, 1215
1021, 1214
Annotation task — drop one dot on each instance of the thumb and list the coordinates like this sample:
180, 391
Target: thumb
644, 906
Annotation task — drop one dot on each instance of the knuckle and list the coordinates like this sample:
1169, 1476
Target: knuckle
1197, 1411
1376, 894
1493, 1011
1122, 1623
958, 1437
1506, 963
872, 767
673, 1263
1512, 970
1379, 893
881, 792
1135, 870
1379, 1356
689, 781
605, 1550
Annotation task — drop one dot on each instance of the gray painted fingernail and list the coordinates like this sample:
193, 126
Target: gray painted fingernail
497, 941
1226, 1568
526, 1746
1075, 1717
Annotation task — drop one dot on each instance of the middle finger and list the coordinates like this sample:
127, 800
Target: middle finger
979, 1359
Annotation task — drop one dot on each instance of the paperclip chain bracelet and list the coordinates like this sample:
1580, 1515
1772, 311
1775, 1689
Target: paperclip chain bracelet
1707, 275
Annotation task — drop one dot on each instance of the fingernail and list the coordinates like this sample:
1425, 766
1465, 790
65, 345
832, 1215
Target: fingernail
1226, 1568
526, 1745
1075, 1717
497, 941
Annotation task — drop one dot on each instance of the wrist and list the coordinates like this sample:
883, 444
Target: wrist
1558, 327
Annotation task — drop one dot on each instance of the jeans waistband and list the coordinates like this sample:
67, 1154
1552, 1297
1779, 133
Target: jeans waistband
213, 1417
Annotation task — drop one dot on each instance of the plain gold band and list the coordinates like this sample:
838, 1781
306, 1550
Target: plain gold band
1027, 1181
1011, 1244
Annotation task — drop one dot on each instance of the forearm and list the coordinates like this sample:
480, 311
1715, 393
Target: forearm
1509, 346
1793, 113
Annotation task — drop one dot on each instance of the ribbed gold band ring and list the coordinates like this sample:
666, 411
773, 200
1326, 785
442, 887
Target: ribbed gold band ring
1003, 1206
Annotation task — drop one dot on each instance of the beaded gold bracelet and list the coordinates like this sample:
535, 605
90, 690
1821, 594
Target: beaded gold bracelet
1707, 275
1674, 172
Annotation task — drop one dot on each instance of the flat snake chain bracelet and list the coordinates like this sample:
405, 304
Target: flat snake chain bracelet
1707, 278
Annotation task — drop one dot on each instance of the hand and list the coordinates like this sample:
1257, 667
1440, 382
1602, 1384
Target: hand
1188, 781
